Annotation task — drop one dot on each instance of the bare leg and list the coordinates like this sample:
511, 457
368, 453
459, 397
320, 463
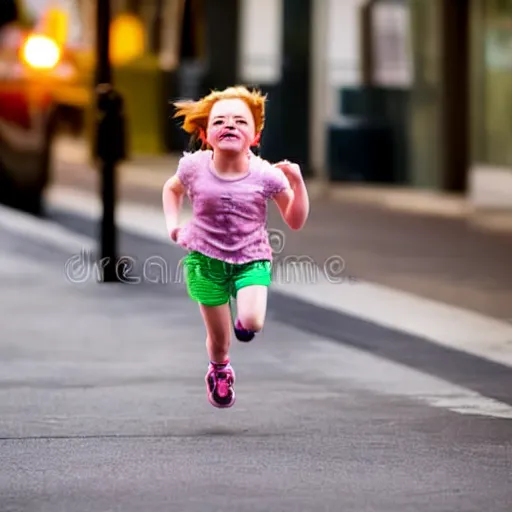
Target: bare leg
220, 377
252, 307
217, 320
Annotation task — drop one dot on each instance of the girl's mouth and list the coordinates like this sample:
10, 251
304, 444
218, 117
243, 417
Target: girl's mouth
228, 136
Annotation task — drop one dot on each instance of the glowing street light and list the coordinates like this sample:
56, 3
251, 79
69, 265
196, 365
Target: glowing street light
41, 52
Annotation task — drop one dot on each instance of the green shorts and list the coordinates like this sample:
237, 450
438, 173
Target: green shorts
213, 282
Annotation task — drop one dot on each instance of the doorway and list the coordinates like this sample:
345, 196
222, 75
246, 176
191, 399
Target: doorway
455, 73
439, 100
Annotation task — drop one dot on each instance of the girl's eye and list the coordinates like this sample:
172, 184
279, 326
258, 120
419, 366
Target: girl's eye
219, 121
243, 121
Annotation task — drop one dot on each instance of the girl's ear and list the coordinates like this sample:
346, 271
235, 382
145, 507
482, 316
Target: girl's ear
202, 136
257, 139
204, 140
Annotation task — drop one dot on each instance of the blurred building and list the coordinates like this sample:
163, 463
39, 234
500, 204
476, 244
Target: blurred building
413, 92
410, 92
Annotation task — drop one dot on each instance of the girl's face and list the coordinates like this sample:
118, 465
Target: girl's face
231, 126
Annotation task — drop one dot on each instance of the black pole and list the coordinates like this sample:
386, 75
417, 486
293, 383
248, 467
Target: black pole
110, 146
103, 72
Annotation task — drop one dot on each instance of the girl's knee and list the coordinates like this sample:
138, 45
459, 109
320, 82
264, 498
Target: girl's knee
252, 322
252, 307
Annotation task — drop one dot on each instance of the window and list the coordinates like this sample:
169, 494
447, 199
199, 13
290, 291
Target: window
498, 78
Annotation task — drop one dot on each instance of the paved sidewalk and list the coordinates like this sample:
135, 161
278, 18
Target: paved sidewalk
440, 252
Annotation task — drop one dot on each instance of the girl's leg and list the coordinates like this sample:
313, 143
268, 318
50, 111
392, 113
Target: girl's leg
206, 284
251, 304
220, 378
217, 320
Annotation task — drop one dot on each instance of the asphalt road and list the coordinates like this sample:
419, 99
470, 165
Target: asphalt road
103, 408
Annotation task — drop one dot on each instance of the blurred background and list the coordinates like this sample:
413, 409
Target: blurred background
398, 111
409, 93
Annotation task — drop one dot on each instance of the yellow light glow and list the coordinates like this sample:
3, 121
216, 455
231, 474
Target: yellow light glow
127, 39
41, 52
56, 25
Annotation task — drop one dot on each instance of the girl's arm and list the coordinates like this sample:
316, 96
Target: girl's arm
293, 202
172, 198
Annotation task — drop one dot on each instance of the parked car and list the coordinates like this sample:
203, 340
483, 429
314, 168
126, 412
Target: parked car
44, 88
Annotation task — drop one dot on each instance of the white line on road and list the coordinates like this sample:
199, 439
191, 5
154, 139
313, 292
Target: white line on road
368, 371
43, 230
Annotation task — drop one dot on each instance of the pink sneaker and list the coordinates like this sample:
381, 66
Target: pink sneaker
219, 385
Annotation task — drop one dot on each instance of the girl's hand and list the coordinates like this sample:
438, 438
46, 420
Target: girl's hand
291, 171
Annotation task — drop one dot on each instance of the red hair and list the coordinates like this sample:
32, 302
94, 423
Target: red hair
197, 113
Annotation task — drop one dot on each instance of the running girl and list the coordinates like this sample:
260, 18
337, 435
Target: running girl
229, 255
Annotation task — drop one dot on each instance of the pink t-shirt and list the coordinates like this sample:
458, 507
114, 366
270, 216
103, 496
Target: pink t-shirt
229, 215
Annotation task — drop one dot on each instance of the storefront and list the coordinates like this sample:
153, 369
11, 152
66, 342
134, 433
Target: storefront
460, 106
443, 71
491, 103
434, 91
